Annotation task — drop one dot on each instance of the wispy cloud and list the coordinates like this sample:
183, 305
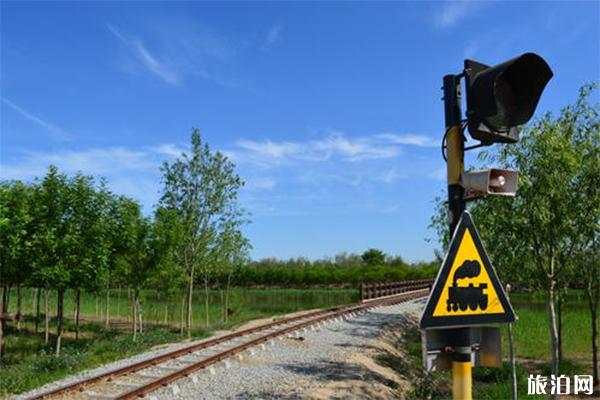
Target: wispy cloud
56, 132
408, 139
273, 37
169, 149
99, 161
133, 172
145, 58
453, 11
334, 146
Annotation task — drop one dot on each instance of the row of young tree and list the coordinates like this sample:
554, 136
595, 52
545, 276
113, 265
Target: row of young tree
61, 232
547, 238
343, 270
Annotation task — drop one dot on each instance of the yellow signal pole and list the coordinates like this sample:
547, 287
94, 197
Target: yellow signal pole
461, 362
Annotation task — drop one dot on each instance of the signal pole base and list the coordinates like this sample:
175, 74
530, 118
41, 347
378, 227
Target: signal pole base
461, 380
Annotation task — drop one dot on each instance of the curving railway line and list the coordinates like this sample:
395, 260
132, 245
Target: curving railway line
141, 378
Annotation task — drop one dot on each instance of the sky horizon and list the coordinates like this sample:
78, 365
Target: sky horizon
331, 112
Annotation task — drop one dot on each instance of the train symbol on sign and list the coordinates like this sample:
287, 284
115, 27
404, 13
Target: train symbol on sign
464, 297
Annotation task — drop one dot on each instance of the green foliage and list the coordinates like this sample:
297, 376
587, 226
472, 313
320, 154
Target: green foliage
373, 257
303, 273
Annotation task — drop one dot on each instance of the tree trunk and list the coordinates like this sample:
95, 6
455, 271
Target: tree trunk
222, 299
189, 306
595, 344
166, 313
134, 316
119, 302
553, 330
107, 324
227, 289
46, 316
182, 316
77, 308
5, 290
96, 297
513, 363
2, 324
19, 301
139, 309
4, 309
74, 305
559, 304
59, 318
593, 299
37, 308
1, 335
206, 302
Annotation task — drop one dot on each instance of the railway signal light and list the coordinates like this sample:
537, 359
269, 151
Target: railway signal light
503, 96
489, 181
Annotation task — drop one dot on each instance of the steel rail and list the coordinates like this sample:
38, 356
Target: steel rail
140, 365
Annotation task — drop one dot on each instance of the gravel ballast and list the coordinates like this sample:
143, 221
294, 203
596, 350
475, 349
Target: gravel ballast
294, 367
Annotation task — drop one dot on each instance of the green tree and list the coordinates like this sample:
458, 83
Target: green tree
202, 187
88, 249
50, 241
532, 237
373, 257
139, 258
15, 242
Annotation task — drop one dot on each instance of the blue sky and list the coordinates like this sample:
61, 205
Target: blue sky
331, 111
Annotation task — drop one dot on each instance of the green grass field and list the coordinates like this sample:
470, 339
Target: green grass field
532, 346
30, 363
244, 303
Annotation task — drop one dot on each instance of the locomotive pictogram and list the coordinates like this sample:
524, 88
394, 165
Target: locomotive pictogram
463, 297
467, 291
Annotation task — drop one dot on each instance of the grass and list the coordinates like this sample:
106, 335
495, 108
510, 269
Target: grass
244, 304
30, 363
532, 347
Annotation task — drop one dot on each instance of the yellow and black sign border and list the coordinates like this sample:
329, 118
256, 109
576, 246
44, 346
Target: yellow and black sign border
429, 321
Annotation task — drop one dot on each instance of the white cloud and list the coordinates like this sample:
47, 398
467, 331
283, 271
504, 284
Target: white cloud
354, 150
273, 37
453, 11
143, 55
56, 132
131, 172
168, 149
334, 146
414, 140
270, 149
103, 161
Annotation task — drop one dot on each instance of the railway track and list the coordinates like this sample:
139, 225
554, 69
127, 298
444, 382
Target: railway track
140, 378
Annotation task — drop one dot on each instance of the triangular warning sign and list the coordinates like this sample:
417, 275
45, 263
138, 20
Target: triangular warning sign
467, 290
